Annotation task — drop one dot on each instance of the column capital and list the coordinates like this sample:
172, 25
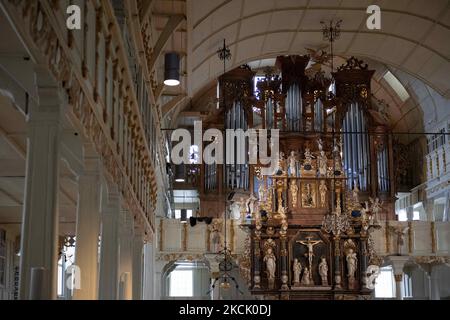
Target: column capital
398, 262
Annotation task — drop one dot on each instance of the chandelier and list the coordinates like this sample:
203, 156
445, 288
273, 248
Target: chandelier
226, 265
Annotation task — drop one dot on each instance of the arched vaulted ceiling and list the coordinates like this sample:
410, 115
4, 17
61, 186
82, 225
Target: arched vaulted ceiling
414, 35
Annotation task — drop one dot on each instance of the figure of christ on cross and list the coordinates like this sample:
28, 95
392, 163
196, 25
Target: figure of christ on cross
310, 245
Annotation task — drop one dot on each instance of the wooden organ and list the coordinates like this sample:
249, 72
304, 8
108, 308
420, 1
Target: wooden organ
309, 230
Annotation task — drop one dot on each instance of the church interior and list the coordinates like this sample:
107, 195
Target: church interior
224, 150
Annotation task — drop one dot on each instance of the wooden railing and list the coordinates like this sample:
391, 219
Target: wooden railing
114, 110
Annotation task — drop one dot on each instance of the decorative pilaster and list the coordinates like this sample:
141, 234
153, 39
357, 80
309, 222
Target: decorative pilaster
88, 226
125, 255
109, 248
398, 262
138, 243
40, 210
257, 257
337, 263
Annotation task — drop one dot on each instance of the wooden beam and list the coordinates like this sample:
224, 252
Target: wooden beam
158, 91
13, 144
172, 104
147, 6
171, 25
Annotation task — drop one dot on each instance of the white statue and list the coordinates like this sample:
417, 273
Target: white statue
292, 164
296, 269
323, 271
323, 193
322, 163
261, 192
352, 262
320, 144
372, 273
306, 279
376, 207
235, 209
270, 261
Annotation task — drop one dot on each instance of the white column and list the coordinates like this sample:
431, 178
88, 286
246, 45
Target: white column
138, 243
88, 226
398, 262
109, 245
410, 213
434, 278
39, 243
126, 256
149, 261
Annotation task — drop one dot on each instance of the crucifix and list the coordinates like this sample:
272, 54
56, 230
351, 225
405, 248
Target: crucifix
310, 245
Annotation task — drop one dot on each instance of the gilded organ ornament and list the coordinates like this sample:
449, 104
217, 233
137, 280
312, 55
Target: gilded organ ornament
294, 191
308, 195
323, 193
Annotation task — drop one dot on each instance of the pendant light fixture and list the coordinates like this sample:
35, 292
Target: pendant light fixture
172, 69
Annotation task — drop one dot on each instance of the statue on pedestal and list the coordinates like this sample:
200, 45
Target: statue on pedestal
337, 158
323, 271
270, 260
352, 262
323, 193
250, 204
296, 269
280, 186
306, 279
294, 191
292, 164
322, 162
320, 144
261, 192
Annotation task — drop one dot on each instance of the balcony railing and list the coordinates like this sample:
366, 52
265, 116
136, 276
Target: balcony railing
108, 104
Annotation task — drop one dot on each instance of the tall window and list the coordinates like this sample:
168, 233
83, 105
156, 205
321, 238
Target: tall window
65, 261
181, 283
178, 214
384, 287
